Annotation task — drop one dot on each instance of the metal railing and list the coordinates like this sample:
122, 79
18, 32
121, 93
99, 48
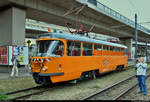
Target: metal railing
118, 16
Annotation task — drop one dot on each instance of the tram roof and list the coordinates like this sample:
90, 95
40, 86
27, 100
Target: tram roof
69, 36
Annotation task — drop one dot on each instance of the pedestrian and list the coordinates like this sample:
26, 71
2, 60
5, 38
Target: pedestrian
15, 62
141, 67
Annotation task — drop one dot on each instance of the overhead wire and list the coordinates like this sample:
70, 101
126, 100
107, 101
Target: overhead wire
134, 7
136, 10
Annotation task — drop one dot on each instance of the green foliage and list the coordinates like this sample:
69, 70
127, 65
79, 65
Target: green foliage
96, 86
3, 97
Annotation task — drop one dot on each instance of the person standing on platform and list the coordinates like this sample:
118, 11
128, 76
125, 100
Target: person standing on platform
15, 62
141, 75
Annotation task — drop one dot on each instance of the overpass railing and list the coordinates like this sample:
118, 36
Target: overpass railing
117, 15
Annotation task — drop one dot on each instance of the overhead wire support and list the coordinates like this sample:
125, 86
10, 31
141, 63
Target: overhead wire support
76, 11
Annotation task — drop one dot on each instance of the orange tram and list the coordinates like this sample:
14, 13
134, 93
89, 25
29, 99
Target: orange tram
62, 57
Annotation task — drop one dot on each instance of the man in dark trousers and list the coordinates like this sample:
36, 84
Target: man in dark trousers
141, 75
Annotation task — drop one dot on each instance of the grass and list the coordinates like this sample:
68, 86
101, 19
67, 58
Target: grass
96, 86
3, 97
14, 84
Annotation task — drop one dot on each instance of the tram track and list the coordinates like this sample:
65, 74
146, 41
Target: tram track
115, 91
22, 90
36, 90
32, 91
125, 92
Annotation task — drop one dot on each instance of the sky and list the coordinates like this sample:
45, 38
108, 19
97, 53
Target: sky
128, 8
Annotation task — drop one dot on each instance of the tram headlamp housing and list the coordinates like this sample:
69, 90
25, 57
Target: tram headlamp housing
44, 68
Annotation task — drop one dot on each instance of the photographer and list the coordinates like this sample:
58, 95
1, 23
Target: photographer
141, 67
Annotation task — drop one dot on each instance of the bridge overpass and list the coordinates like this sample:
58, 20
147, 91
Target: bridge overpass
34, 28
106, 20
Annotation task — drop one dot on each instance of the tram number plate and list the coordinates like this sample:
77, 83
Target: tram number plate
37, 65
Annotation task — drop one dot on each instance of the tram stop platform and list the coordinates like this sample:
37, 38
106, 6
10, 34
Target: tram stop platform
6, 71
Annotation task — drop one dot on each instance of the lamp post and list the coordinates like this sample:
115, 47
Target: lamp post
146, 51
136, 37
28, 49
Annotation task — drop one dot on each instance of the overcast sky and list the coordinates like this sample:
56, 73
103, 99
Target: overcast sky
128, 8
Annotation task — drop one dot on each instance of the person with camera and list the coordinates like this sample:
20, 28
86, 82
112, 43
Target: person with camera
15, 62
141, 67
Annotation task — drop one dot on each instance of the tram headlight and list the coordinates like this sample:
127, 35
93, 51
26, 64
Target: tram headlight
44, 68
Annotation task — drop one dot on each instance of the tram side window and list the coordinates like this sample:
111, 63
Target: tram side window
112, 48
73, 48
105, 48
87, 49
97, 47
117, 49
122, 49
125, 52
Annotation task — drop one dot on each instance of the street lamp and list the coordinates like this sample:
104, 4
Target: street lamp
146, 51
28, 49
136, 37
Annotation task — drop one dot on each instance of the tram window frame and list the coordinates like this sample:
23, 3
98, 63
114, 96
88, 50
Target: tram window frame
89, 51
117, 49
112, 48
60, 49
74, 43
98, 47
105, 46
122, 50
56, 46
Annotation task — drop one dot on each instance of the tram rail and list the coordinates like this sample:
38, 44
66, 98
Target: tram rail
46, 89
106, 92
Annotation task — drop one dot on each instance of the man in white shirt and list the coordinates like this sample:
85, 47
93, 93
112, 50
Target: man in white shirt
15, 62
141, 75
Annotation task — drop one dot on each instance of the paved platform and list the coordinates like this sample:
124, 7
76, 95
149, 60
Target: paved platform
23, 72
6, 75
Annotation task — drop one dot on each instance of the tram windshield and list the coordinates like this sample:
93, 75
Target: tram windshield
48, 48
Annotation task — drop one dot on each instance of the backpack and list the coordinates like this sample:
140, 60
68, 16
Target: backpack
18, 64
12, 59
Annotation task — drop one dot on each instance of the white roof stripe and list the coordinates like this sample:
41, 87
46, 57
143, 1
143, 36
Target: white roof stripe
69, 36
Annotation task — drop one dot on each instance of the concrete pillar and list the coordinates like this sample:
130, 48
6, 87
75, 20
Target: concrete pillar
12, 26
129, 43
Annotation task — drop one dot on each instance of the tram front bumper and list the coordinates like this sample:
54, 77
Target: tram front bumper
51, 74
